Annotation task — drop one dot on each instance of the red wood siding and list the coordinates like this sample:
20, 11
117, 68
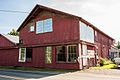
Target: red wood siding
64, 29
5, 42
8, 57
103, 45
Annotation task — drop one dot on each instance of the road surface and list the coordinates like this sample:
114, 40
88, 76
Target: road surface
93, 74
22, 75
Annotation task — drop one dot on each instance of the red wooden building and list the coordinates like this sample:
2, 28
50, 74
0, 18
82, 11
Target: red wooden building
54, 39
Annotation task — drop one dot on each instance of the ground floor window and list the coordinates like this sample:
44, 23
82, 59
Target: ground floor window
72, 53
66, 56
22, 54
25, 54
60, 54
48, 55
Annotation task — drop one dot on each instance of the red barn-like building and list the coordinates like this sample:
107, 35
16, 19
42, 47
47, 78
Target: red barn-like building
54, 39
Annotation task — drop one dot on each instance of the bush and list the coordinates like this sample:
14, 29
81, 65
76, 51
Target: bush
102, 62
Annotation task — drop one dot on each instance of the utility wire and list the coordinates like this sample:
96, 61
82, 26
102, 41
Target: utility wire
13, 11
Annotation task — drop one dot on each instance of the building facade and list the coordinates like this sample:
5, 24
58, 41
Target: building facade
53, 39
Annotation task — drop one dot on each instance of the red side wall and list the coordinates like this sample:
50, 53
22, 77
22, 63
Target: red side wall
103, 45
5, 42
64, 29
8, 57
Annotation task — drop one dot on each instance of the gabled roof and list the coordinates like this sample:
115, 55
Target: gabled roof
13, 39
38, 8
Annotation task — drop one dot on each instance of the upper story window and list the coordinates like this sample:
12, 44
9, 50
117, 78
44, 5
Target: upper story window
96, 35
44, 26
109, 42
32, 28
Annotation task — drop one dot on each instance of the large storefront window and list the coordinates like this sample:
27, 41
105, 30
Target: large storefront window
72, 53
48, 55
22, 54
60, 54
66, 56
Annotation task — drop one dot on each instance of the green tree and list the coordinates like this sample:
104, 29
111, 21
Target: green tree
14, 32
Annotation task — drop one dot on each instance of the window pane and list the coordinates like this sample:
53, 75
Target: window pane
39, 27
28, 52
72, 54
48, 25
48, 55
22, 54
60, 53
31, 28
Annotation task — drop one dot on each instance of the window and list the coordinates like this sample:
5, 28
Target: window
60, 54
44, 26
109, 42
48, 25
48, 55
22, 54
96, 35
31, 28
72, 53
21, 41
29, 53
25, 54
39, 27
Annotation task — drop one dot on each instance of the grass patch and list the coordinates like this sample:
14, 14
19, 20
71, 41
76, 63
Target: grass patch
38, 69
109, 66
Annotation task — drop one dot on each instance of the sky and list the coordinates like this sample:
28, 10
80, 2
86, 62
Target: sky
104, 14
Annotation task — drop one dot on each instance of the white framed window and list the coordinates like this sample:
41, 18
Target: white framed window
96, 36
22, 54
48, 25
72, 53
48, 55
44, 26
39, 27
31, 28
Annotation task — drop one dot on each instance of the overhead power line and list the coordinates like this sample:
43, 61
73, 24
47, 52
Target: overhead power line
13, 11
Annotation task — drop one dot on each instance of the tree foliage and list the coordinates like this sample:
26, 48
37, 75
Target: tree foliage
14, 32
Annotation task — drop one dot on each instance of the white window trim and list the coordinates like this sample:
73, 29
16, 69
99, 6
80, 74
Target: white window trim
20, 55
67, 53
44, 25
96, 37
30, 28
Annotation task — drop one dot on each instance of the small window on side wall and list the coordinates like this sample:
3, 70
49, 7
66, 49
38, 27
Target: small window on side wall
96, 35
32, 28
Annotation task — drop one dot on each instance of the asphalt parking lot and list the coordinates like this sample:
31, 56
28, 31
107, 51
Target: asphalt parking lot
21, 75
90, 74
